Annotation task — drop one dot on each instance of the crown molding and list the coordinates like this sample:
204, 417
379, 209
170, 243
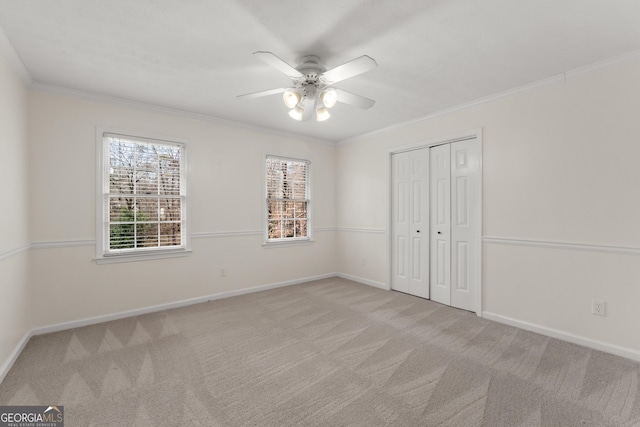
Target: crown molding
9, 52
92, 96
562, 77
616, 61
11, 55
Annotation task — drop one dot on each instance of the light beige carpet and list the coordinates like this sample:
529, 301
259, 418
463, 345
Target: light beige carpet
330, 352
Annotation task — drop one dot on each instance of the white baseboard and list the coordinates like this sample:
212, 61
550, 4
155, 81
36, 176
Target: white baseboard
4, 369
565, 336
168, 306
364, 281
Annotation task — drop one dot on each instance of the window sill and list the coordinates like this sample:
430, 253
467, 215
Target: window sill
286, 243
113, 259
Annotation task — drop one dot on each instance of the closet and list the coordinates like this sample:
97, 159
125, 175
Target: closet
436, 222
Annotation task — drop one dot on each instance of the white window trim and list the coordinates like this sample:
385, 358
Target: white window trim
146, 254
291, 241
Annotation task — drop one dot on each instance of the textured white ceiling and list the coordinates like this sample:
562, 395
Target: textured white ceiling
196, 55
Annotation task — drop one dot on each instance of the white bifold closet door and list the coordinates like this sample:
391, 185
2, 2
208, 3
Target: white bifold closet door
441, 224
410, 222
455, 226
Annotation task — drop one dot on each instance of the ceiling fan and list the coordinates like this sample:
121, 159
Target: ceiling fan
312, 88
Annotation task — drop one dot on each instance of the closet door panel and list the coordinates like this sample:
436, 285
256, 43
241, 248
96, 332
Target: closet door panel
441, 224
465, 227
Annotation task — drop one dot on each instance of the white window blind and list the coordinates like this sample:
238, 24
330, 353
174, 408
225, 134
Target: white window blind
144, 192
288, 199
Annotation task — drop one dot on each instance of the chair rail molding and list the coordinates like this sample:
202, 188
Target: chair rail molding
562, 245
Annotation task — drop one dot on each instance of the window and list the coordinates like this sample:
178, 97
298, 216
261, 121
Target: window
143, 196
288, 199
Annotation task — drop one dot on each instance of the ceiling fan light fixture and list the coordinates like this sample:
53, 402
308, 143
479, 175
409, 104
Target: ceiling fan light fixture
312, 88
291, 98
329, 97
322, 114
296, 113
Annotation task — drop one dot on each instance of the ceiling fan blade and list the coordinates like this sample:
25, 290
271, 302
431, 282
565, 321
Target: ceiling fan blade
309, 108
278, 64
353, 99
262, 93
352, 68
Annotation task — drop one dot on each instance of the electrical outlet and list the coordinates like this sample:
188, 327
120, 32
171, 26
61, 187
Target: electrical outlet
223, 272
599, 307
363, 262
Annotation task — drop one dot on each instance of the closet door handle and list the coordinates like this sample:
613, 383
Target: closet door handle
439, 232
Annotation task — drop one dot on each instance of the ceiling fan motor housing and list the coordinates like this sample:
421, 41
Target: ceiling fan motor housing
311, 69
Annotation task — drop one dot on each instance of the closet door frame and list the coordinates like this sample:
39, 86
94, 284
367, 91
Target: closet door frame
468, 135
